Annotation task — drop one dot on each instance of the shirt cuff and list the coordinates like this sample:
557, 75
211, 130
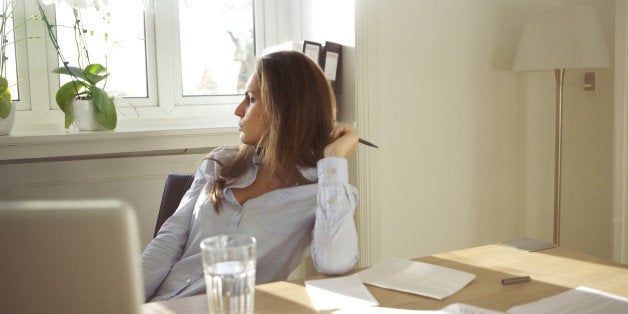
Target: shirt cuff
332, 169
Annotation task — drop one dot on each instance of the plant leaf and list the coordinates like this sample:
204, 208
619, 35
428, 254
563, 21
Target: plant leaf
73, 71
4, 84
99, 96
92, 73
64, 97
5, 98
68, 119
93, 79
105, 109
95, 68
66, 93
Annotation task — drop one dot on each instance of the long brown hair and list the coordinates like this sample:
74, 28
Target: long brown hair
299, 110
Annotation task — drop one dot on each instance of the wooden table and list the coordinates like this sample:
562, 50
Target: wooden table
552, 271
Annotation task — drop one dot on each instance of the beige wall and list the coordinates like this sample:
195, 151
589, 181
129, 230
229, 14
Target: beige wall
620, 199
467, 144
136, 180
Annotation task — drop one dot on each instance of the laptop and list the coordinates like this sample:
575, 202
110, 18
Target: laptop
69, 257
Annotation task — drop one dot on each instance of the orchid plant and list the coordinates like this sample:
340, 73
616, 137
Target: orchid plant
85, 75
6, 30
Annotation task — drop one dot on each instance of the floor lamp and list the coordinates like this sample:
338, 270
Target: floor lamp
559, 38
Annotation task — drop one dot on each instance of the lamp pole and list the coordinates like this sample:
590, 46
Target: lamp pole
558, 150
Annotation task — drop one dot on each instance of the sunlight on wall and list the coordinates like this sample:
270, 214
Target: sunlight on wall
330, 20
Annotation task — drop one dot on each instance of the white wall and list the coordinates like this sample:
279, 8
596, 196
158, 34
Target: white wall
466, 152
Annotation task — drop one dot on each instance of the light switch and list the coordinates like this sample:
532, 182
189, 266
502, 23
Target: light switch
589, 81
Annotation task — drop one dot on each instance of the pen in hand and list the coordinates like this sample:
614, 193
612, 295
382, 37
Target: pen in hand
367, 143
340, 130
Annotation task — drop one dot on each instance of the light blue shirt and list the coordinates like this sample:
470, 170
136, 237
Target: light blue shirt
288, 224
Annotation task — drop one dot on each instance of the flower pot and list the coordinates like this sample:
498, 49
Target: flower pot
6, 125
83, 113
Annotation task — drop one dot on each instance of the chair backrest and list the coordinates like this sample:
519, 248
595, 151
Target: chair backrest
174, 189
69, 257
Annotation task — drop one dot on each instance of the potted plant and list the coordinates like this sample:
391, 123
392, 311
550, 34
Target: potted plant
7, 110
83, 103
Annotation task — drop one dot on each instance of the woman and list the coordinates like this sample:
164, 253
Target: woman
287, 185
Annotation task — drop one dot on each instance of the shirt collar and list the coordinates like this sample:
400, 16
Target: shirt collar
309, 173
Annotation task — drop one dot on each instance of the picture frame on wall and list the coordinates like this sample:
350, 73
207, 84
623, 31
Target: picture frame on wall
313, 50
332, 65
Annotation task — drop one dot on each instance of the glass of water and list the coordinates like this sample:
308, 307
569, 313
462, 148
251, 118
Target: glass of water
229, 265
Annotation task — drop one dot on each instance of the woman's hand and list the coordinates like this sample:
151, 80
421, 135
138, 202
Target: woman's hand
343, 142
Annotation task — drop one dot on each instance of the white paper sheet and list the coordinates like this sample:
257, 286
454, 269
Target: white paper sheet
450, 309
415, 277
313, 52
338, 293
580, 300
331, 65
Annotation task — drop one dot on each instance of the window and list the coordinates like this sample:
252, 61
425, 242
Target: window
217, 46
114, 36
166, 59
10, 67
216, 49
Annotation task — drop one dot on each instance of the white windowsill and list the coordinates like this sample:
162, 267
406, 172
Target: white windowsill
52, 142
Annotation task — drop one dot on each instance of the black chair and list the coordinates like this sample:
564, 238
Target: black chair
174, 189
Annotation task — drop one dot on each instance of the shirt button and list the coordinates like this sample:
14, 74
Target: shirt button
331, 170
188, 280
330, 201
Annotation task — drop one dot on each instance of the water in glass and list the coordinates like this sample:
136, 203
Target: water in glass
230, 287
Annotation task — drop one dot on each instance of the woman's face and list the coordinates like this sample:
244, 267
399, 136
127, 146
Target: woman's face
250, 113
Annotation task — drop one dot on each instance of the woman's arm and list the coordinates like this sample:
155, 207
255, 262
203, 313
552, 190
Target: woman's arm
167, 247
335, 239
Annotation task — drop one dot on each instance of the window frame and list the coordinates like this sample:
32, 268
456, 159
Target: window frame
36, 108
166, 19
150, 64
23, 103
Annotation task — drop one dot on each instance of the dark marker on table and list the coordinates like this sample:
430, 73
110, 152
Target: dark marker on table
508, 281
367, 143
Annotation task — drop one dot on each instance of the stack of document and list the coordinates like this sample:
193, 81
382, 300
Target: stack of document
392, 273
456, 308
580, 300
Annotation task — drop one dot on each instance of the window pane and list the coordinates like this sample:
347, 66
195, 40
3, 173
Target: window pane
10, 67
217, 46
115, 38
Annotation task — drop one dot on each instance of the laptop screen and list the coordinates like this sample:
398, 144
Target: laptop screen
69, 257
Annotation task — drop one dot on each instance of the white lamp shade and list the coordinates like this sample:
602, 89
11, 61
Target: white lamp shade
562, 37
